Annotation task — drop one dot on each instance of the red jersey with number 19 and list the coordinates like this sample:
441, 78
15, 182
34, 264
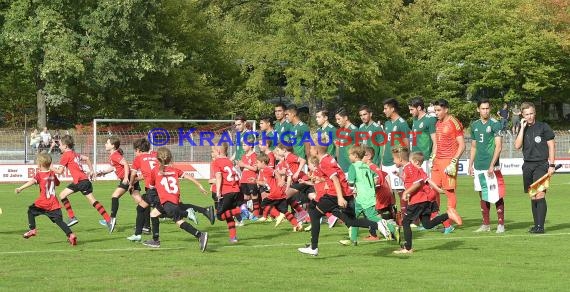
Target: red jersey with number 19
230, 177
167, 184
47, 180
72, 161
145, 163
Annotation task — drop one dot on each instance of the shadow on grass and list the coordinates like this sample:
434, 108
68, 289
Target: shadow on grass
22, 231
557, 227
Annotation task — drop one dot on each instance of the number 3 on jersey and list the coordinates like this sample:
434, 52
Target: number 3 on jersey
169, 184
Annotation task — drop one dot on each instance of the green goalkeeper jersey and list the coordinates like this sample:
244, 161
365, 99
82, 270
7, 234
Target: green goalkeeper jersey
362, 177
484, 135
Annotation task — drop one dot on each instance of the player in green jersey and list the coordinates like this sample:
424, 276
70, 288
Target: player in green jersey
486, 145
300, 132
267, 133
326, 129
369, 126
281, 124
397, 131
423, 130
240, 128
345, 139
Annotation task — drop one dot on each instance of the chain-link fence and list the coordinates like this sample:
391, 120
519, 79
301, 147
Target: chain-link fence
16, 148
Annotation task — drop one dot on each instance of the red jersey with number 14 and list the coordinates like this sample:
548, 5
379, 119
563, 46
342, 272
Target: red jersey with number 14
145, 163
167, 184
47, 181
116, 159
72, 161
230, 177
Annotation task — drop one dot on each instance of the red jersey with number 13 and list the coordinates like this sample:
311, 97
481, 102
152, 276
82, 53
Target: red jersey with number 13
167, 184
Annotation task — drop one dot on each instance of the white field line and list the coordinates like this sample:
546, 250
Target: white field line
442, 238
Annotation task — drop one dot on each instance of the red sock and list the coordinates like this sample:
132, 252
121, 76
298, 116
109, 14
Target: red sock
274, 213
500, 205
231, 227
101, 210
295, 206
266, 211
485, 206
451, 203
256, 207
291, 218
231, 213
68, 208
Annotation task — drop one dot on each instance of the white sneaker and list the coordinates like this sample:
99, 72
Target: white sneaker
135, 238
240, 223
192, 215
500, 228
383, 228
484, 228
309, 251
279, 219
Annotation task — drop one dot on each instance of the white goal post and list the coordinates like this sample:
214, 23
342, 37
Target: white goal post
152, 122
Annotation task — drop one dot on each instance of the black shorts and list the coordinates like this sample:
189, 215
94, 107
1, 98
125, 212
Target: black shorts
151, 197
172, 211
52, 215
280, 205
248, 189
418, 210
83, 186
532, 171
329, 203
136, 186
303, 192
228, 202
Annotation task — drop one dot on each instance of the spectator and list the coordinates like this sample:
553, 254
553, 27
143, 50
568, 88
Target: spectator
55, 141
431, 110
504, 115
516, 120
35, 140
45, 139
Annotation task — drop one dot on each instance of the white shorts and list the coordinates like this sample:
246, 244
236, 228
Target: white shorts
393, 173
426, 166
476, 183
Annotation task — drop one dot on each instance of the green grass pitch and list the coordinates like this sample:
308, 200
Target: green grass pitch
266, 258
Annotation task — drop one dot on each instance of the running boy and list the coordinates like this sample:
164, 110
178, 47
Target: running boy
47, 203
417, 194
166, 179
81, 183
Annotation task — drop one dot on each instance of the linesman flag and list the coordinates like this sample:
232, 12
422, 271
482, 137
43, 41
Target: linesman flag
492, 187
541, 184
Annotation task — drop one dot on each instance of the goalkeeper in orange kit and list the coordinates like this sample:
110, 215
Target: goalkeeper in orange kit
449, 147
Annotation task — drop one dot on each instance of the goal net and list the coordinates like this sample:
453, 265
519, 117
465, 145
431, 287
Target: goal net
189, 140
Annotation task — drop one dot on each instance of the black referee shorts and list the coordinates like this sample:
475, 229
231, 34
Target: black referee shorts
532, 171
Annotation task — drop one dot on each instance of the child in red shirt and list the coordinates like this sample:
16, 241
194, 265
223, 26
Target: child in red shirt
274, 202
417, 194
81, 183
47, 203
165, 178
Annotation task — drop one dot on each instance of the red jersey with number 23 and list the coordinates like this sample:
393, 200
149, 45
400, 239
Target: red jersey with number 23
167, 184
72, 161
47, 181
230, 177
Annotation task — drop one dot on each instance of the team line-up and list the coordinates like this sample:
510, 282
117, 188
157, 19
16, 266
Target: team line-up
302, 183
